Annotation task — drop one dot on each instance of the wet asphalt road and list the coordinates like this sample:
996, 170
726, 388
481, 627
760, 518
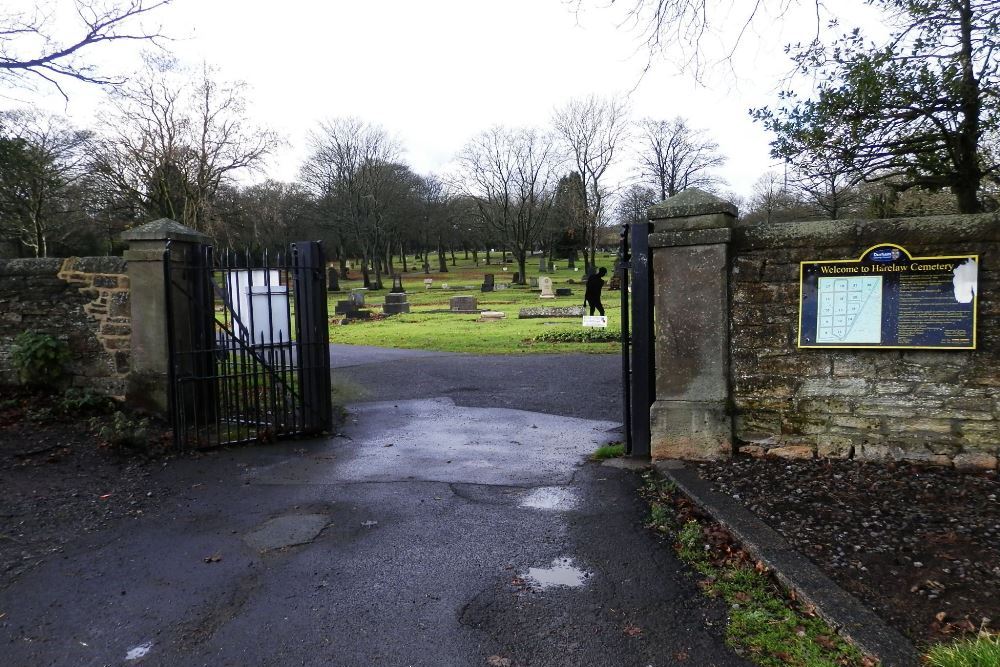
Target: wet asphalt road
425, 535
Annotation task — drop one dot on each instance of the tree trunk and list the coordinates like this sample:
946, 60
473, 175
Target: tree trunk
522, 261
487, 255
968, 174
475, 257
454, 262
402, 254
442, 259
343, 267
365, 276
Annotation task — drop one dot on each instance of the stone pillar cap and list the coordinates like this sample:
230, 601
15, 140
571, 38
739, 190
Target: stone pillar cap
689, 203
164, 229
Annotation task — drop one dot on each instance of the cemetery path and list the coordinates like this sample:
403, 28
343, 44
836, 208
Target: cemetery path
430, 532
571, 385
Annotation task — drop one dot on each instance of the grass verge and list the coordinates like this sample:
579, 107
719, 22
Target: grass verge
766, 625
982, 651
609, 451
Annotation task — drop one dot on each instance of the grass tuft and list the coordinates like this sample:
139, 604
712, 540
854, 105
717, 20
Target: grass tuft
611, 451
763, 626
982, 651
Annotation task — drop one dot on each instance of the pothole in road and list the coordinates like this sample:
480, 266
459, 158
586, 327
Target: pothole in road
550, 498
287, 531
562, 574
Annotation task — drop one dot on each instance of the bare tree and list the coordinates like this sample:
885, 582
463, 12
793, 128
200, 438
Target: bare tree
43, 158
591, 130
682, 25
351, 168
634, 203
510, 175
174, 138
673, 156
32, 49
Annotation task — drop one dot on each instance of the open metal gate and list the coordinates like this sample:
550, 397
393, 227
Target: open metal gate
638, 366
249, 345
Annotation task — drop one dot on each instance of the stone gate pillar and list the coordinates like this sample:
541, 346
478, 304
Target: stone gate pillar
691, 417
147, 385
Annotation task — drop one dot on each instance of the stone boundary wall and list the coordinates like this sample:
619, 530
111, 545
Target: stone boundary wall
81, 300
937, 407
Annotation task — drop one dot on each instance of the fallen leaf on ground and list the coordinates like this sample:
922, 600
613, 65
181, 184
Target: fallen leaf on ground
632, 630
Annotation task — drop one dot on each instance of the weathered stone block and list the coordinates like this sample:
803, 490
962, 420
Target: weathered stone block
971, 461
791, 452
691, 305
830, 446
695, 431
833, 387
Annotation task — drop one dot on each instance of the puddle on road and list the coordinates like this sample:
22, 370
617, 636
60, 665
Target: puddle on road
562, 573
550, 498
139, 651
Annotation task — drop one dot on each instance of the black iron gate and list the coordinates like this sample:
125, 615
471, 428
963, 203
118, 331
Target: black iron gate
638, 373
249, 344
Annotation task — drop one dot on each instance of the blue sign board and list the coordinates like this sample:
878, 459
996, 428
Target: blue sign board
889, 299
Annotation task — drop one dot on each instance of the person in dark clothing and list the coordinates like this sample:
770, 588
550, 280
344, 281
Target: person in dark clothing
595, 283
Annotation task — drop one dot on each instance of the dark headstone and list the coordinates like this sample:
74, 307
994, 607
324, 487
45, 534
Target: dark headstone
395, 303
333, 280
541, 264
489, 280
397, 285
564, 291
615, 283
463, 304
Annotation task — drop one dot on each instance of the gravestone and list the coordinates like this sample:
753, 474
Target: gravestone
428, 282
358, 296
491, 316
332, 280
533, 283
463, 304
615, 283
541, 264
489, 280
397, 285
545, 283
395, 303
536, 312
564, 291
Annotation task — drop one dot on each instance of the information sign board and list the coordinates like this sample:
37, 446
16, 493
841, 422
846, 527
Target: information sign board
889, 299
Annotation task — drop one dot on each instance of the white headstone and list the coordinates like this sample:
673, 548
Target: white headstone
428, 282
545, 283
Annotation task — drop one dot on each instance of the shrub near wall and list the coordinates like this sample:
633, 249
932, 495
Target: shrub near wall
83, 301
939, 407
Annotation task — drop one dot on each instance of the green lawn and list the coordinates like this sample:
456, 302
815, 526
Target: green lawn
443, 331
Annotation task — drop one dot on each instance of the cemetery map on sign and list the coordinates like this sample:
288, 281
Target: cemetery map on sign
850, 310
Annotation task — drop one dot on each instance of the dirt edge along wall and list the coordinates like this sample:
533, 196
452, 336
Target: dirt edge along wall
936, 407
81, 300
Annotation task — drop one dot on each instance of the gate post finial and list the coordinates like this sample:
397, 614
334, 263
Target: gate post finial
691, 417
148, 385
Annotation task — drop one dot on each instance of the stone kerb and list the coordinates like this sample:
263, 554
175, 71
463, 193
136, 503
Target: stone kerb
691, 416
147, 382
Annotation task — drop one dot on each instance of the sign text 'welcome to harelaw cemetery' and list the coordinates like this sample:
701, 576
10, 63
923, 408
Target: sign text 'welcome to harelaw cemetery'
888, 298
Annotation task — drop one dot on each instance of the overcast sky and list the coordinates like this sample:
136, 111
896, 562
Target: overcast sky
436, 72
